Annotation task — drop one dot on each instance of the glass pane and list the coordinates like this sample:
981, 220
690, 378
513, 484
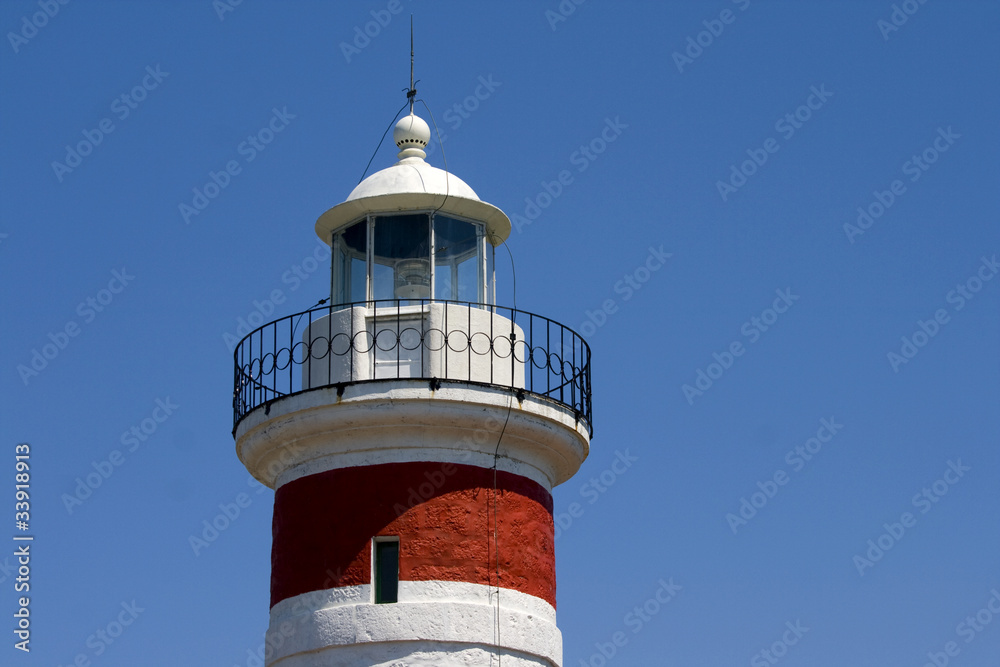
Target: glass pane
402, 257
490, 277
359, 279
468, 280
349, 261
456, 259
386, 571
383, 281
338, 285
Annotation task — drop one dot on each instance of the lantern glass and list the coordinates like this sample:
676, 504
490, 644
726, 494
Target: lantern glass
457, 259
350, 263
412, 258
401, 263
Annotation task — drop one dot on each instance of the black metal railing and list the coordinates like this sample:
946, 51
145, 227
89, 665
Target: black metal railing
434, 340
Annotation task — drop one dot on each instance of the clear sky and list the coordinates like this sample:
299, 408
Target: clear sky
841, 364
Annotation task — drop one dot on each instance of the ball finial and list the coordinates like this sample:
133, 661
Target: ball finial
411, 135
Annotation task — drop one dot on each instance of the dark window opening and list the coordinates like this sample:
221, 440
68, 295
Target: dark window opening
386, 571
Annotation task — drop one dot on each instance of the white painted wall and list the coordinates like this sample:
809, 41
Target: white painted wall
434, 623
432, 358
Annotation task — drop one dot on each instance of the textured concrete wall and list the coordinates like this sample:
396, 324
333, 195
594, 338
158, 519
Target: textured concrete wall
442, 514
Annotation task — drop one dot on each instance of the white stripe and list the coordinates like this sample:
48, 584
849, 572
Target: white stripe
459, 614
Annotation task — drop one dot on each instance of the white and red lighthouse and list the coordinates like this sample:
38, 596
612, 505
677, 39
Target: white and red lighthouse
413, 431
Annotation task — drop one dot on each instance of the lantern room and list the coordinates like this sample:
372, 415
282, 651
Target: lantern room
413, 233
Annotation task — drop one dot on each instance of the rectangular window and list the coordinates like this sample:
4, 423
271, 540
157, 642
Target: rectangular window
350, 259
385, 569
489, 283
456, 254
401, 257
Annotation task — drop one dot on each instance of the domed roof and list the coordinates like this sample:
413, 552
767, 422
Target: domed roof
412, 174
412, 185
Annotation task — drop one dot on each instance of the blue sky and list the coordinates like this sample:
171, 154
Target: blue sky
739, 137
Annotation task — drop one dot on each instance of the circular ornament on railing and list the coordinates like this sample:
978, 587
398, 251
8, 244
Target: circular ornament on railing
502, 347
481, 341
555, 363
267, 364
319, 344
368, 342
340, 344
409, 338
434, 340
389, 338
538, 353
300, 352
282, 359
458, 335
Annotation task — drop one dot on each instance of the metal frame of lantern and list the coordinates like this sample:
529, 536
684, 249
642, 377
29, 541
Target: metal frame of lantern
414, 276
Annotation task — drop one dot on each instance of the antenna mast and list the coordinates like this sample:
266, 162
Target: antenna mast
412, 92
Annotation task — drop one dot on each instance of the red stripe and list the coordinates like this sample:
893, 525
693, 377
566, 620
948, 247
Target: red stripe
442, 513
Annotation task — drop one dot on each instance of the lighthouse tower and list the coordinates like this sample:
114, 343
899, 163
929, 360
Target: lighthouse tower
412, 430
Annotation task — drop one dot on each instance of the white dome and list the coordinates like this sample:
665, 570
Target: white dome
412, 175
413, 185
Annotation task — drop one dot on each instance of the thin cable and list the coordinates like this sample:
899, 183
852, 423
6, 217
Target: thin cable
447, 184
496, 458
513, 273
299, 320
381, 140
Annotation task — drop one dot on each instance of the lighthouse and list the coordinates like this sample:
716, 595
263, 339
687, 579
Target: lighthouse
413, 430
